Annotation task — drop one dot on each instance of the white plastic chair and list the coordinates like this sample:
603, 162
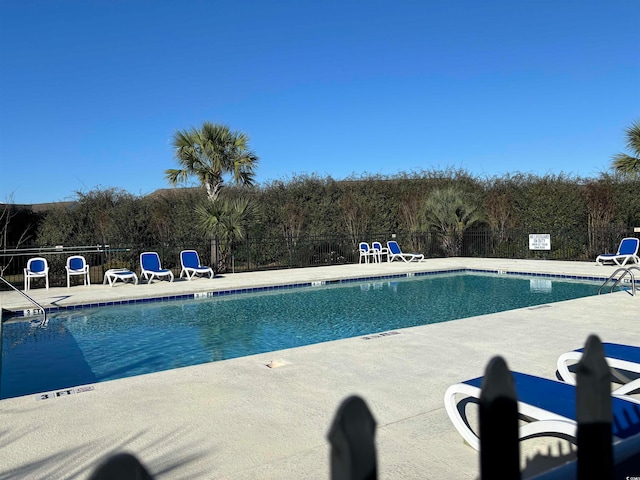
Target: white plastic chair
379, 251
366, 252
37, 267
77, 265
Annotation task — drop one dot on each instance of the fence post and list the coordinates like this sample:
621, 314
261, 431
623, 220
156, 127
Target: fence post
121, 466
499, 439
213, 243
353, 450
593, 412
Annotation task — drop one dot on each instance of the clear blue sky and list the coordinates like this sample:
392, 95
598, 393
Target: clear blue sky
91, 91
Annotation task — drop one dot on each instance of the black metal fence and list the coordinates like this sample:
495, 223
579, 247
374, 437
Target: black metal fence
565, 243
305, 250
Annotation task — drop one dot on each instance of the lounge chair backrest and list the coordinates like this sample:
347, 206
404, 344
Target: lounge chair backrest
629, 246
190, 258
394, 248
37, 265
376, 246
150, 261
364, 246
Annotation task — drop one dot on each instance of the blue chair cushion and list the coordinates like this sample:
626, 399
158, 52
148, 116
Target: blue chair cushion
37, 266
76, 264
560, 398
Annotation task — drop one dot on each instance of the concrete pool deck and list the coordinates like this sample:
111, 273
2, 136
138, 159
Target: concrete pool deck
238, 419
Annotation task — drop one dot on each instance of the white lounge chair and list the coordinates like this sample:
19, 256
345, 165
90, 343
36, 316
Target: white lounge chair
191, 265
150, 267
395, 252
77, 265
550, 407
621, 359
627, 253
37, 267
114, 274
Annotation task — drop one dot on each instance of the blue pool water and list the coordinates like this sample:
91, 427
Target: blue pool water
98, 344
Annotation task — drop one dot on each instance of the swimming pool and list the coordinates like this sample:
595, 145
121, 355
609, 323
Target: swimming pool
99, 344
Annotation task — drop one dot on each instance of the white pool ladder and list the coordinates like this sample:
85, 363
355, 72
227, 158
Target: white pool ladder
624, 271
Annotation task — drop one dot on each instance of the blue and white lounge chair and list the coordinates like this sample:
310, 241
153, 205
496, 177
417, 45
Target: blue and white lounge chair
37, 267
395, 252
150, 267
77, 265
622, 359
191, 265
627, 253
112, 275
550, 407
366, 252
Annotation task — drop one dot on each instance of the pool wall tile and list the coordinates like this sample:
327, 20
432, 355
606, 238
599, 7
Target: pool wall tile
219, 293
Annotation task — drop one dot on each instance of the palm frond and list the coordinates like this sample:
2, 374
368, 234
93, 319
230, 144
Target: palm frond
626, 164
629, 164
633, 138
175, 177
213, 152
451, 211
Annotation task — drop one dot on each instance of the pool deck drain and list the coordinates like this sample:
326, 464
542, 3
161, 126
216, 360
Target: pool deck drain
230, 420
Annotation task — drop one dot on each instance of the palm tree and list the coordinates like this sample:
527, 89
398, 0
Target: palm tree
451, 211
227, 220
210, 153
629, 164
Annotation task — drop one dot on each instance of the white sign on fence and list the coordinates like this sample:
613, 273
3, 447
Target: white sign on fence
539, 241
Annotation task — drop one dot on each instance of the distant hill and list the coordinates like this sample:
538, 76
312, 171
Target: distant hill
43, 207
40, 207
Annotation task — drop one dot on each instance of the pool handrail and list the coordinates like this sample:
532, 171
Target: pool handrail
40, 307
625, 271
